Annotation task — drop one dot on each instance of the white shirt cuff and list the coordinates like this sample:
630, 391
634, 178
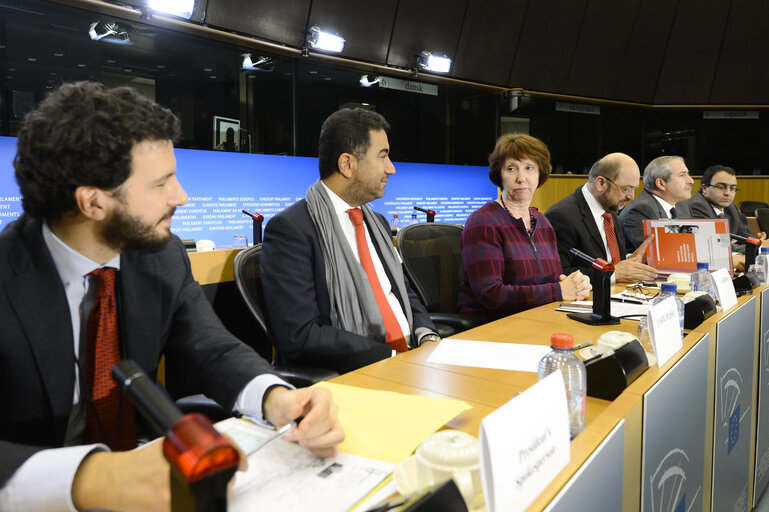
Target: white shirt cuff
251, 398
44, 481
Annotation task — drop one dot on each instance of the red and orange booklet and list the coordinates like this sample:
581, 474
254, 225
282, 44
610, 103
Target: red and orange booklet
679, 244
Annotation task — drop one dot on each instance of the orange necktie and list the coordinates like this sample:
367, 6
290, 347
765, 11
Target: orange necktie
393, 332
611, 237
109, 417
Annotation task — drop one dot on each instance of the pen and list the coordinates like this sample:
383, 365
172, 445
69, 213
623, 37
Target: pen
278, 433
582, 345
628, 301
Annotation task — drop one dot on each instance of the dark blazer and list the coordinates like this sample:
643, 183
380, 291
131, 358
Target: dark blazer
643, 207
575, 228
161, 310
296, 293
738, 224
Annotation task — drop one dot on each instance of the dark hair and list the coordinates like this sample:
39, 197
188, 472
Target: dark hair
519, 146
707, 176
82, 134
346, 131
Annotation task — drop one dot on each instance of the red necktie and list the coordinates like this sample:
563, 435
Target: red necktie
393, 332
611, 237
109, 416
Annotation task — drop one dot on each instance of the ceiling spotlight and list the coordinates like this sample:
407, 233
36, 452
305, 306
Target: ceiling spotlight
181, 8
109, 32
261, 64
325, 41
430, 62
369, 80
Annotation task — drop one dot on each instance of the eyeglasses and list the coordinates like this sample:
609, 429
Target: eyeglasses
623, 190
646, 292
723, 187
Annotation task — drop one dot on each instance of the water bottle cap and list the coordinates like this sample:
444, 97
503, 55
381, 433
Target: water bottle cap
765, 250
668, 288
562, 340
395, 215
702, 265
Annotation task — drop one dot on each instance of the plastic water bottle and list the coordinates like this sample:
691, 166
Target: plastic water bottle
668, 290
643, 335
395, 224
761, 261
573, 369
701, 281
414, 219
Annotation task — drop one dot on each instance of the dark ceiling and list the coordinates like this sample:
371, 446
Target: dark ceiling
655, 52
647, 51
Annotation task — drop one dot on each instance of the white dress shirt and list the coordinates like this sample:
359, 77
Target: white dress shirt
665, 205
340, 208
597, 212
44, 481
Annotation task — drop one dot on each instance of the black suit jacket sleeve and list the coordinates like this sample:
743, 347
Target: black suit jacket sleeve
296, 293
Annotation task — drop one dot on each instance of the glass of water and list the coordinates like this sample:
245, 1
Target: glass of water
240, 242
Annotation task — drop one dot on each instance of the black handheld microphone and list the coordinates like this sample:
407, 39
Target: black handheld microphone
597, 263
430, 213
148, 399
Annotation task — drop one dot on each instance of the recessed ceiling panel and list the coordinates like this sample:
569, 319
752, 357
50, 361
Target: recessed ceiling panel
549, 36
283, 21
690, 61
425, 25
366, 25
601, 47
742, 75
645, 51
488, 41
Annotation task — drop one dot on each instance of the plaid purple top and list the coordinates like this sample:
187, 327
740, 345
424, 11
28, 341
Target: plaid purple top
506, 270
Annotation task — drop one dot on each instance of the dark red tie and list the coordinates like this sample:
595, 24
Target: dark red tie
109, 416
393, 332
611, 237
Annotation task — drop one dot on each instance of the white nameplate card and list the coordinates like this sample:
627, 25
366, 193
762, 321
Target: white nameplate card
665, 329
524, 445
724, 287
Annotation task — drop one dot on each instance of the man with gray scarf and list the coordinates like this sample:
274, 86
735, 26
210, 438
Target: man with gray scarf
335, 289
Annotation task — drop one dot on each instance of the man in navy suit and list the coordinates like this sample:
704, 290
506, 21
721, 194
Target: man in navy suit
715, 200
96, 170
578, 220
320, 302
666, 182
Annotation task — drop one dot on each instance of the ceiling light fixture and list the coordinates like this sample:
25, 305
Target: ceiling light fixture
261, 63
369, 80
181, 8
109, 32
318, 39
435, 63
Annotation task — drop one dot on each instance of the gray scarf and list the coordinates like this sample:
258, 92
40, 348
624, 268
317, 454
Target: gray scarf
353, 306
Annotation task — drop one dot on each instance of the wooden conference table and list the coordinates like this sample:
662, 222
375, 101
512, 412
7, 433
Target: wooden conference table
623, 426
692, 433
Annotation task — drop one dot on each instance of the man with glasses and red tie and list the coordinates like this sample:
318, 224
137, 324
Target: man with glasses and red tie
334, 285
587, 220
715, 200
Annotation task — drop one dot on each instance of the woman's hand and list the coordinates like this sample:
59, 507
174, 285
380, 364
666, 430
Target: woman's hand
575, 286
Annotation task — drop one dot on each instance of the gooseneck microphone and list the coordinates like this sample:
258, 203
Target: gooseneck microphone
258, 219
745, 239
430, 213
597, 263
151, 403
202, 460
601, 314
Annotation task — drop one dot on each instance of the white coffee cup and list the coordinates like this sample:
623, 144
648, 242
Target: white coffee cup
451, 454
205, 245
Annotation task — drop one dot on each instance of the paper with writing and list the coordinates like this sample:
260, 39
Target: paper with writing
724, 287
485, 354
